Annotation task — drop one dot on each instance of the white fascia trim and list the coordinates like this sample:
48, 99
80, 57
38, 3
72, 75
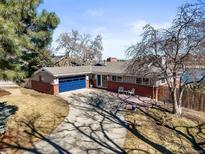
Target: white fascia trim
74, 74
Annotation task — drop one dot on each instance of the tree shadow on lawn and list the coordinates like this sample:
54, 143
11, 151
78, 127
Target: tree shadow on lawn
133, 129
104, 106
194, 140
105, 109
18, 140
197, 141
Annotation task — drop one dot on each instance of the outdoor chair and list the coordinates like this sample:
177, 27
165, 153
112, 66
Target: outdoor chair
121, 90
131, 92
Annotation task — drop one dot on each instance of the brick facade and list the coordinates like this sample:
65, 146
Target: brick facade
87, 83
91, 81
55, 89
139, 89
145, 91
44, 87
94, 83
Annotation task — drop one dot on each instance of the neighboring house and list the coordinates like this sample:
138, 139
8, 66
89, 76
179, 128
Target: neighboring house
64, 61
54, 80
112, 59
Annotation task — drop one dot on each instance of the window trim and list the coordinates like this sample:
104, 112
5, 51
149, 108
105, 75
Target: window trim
114, 78
163, 80
117, 78
146, 83
140, 83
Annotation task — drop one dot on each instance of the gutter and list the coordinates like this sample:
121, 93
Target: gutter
73, 74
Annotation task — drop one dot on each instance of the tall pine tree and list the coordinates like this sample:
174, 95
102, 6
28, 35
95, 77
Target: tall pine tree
25, 36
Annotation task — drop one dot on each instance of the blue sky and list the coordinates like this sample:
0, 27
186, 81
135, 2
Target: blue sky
120, 22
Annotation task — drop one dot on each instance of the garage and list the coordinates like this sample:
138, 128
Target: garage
55, 80
72, 83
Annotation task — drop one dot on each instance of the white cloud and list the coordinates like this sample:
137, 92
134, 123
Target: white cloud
95, 13
137, 26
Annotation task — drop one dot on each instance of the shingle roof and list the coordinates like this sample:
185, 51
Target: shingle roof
111, 68
116, 68
68, 70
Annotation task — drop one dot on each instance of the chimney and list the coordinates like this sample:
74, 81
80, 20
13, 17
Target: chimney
112, 59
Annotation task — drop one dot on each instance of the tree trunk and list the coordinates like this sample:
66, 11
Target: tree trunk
181, 92
177, 108
176, 103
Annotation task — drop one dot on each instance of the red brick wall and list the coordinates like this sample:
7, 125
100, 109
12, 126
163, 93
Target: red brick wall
139, 90
87, 83
55, 89
92, 81
44, 87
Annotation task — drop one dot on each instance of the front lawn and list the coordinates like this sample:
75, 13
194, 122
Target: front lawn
155, 130
37, 116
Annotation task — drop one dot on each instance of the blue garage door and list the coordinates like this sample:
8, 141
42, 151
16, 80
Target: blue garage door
71, 83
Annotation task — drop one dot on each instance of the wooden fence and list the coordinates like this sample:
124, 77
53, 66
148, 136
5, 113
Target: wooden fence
191, 99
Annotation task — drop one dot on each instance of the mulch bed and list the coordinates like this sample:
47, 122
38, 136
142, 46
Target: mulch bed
4, 93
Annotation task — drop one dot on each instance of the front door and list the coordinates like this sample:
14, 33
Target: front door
99, 80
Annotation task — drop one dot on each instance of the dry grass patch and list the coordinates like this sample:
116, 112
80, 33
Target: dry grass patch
37, 113
4, 93
160, 130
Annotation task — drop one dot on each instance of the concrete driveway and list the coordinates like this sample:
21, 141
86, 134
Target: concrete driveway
92, 126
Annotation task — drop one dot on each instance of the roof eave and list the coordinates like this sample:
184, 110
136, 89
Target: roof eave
70, 74
45, 70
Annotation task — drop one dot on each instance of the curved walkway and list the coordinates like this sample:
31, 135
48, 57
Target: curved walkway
92, 125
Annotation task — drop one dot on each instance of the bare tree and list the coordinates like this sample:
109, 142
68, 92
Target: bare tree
97, 47
172, 49
81, 47
68, 42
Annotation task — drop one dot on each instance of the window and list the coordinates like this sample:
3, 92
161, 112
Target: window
163, 80
145, 81
117, 78
109, 78
129, 79
92, 76
139, 80
114, 78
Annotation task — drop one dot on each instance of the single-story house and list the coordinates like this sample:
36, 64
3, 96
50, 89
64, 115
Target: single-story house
54, 80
